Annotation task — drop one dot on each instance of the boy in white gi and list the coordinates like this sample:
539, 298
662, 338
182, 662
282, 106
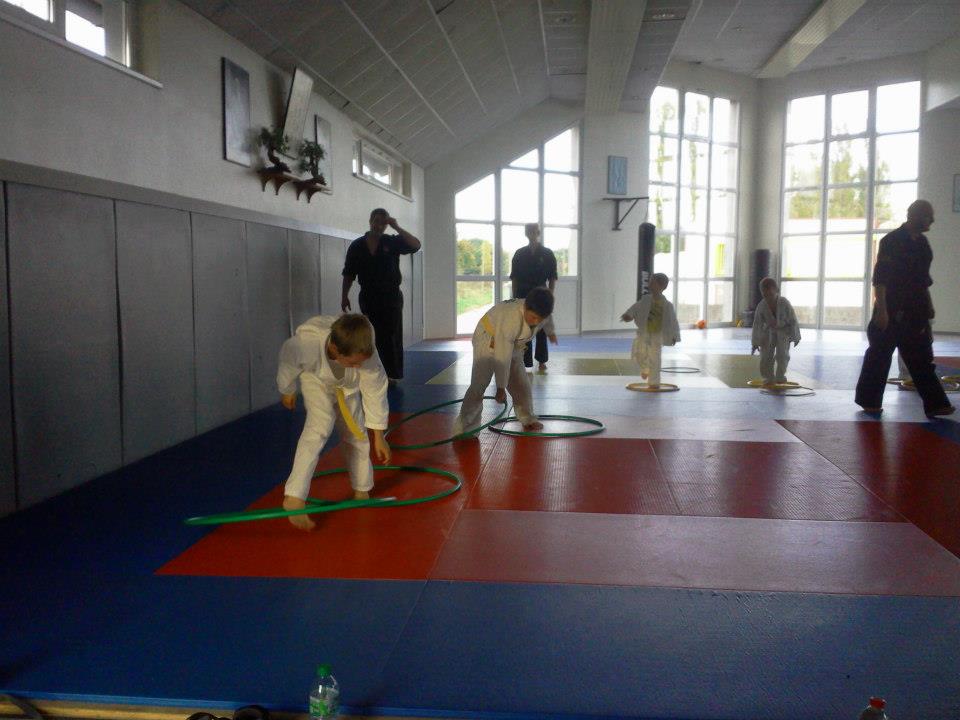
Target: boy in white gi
343, 384
775, 326
498, 344
657, 326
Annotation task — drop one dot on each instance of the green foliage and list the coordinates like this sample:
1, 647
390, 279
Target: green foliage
274, 139
472, 295
310, 154
474, 257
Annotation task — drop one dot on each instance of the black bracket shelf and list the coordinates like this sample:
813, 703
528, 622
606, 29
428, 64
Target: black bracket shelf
617, 217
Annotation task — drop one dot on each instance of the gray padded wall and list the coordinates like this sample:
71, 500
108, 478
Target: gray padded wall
416, 302
333, 251
8, 484
406, 287
222, 350
155, 278
304, 276
268, 308
66, 365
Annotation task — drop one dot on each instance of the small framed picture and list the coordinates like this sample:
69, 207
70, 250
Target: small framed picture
236, 113
956, 193
324, 136
616, 175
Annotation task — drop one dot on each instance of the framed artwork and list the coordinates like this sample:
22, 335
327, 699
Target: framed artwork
298, 102
956, 193
324, 136
236, 113
616, 175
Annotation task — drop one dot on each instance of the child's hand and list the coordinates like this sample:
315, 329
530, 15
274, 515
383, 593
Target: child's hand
796, 342
381, 448
553, 339
754, 349
625, 318
501, 395
289, 401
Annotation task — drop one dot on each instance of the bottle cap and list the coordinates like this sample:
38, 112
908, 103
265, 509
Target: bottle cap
324, 669
878, 703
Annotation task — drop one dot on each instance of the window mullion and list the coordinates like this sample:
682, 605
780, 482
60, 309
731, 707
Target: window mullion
871, 186
824, 180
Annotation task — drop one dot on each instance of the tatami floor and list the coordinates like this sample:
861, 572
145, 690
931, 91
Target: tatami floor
716, 552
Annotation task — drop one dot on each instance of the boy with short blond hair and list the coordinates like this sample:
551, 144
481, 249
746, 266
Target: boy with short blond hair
498, 344
775, 326
657, 326
343, 385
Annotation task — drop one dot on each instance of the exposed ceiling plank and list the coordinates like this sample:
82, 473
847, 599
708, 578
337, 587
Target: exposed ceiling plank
825, 21
393, 62
506, 50
614, 28
543, 35
456, 56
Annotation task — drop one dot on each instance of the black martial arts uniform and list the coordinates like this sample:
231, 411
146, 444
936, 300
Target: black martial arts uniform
903, 268
532, 268
380, 297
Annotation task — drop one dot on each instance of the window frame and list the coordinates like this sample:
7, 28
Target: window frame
869, 234
707, 189
501, 275
400, 171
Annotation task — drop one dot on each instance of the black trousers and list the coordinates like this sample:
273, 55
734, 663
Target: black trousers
914, 340
542, 354
384, 310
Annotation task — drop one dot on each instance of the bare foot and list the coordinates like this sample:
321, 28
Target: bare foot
533, 427
542, 368
301, 522
654, 387
361, 495
644, 375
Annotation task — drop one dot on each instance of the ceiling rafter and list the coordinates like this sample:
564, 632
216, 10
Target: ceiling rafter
456, 55
393, 62
506, 50
543, 35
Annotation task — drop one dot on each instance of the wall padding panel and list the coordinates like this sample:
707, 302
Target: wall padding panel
416, 298
333, 251
406, 287
155, 279
222, 348
65, 344
268, 308
8, 486
304, 277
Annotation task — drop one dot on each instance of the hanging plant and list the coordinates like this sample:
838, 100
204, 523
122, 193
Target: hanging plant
311, 153
275, 142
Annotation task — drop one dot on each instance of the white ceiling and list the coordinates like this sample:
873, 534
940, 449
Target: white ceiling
429, 76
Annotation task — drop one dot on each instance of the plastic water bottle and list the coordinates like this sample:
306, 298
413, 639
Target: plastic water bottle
324, 695
874, 711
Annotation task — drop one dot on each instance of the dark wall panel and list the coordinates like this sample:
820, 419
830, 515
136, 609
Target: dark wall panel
304, 277
416, 299
333, 251
268, 308
8, 486
222, 348
155, 278
65, 345
406, 286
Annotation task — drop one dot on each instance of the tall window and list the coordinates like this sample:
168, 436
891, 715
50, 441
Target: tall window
541, 186
694, 164
850, 171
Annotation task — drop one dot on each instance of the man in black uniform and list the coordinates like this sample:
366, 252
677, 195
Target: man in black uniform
534, 266
375, 260
901, 316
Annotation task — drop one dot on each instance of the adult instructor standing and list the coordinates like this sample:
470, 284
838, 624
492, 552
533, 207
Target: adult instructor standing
532, 266
374, 260
902, 312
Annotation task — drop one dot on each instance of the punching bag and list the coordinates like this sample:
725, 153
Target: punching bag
759, 269
646, 237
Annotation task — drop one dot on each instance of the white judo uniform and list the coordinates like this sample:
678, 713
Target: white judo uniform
773, 333
498, 345
324, 383
648, 346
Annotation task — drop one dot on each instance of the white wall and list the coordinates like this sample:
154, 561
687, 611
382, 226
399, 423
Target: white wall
65, 111
939, 160
942, 75
455, 172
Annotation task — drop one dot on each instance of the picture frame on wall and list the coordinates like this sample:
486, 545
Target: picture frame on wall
236, 113
616, 175
298, 103
956, 193
324, 136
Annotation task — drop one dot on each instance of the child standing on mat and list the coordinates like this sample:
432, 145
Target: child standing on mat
498, 345
657, 326
343, 385
775, 326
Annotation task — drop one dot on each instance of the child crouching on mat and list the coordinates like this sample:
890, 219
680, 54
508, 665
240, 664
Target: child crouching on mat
775, 326
498, 345
343, 384
657, 326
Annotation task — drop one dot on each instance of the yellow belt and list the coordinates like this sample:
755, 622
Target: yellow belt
487, 325
347, 416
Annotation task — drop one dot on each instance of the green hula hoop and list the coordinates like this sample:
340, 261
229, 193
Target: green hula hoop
599, 427
423, 446
315, 505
